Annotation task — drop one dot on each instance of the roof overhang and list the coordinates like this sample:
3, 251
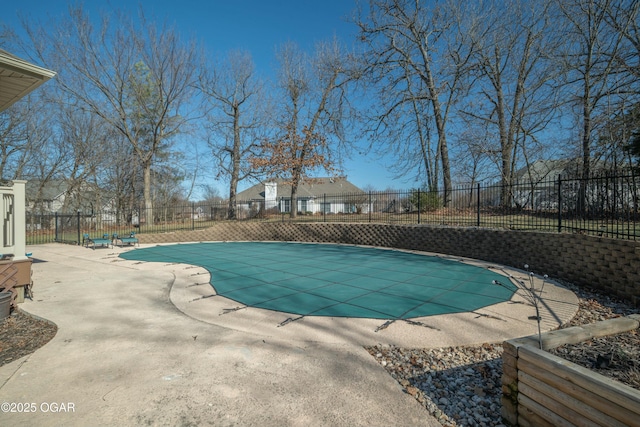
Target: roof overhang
18, 78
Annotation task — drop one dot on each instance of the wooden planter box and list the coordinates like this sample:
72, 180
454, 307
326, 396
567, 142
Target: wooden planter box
15, 276
540, 389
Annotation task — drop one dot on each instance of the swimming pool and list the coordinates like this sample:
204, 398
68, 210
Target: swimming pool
335, 280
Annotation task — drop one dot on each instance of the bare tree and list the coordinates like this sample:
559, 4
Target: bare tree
312, 115
589, 59
14, 144
623, 17
594, 77
24, 127
512, 93
126, 183
210, 194
616, 138
475, 166
416, 58
613, 138
30, 147
85, 137
138, 78
48, 153
238, 118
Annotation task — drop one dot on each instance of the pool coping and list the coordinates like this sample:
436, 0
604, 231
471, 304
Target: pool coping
141, 343
491, 324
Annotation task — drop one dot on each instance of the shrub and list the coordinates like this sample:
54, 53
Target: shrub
425, 200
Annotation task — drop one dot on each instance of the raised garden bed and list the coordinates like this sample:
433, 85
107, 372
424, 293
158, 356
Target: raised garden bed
542, 389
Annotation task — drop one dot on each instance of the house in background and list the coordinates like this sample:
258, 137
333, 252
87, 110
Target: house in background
56, 195
536, 185
46, 197
315, 195
45, 200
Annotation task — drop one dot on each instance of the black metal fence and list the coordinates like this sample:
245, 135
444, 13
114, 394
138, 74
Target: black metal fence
607, 205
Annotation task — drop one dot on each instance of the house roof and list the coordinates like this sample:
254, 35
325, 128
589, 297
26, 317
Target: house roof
50, 190
544, 170
54, 188
18, 77
310, 188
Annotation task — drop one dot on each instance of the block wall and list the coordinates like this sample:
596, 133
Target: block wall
609, 265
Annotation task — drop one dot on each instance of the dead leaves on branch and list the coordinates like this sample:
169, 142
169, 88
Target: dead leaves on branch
293, 153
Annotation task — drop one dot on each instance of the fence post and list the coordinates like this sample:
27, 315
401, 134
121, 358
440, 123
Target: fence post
614, 217
478, 207
324, 207
559, 204
56, 226
418, 205
19, 220
193, 216
79, 241
370, 206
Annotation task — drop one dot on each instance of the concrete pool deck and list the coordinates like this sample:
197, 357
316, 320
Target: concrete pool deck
147, 343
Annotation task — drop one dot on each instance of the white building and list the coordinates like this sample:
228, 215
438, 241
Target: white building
315, 195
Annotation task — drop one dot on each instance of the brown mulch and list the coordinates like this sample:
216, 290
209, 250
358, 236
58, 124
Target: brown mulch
614, 356
22, 334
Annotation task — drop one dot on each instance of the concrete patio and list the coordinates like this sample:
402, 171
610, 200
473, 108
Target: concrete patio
148, 344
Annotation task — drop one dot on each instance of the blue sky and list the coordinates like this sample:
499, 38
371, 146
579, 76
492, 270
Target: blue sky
257, 26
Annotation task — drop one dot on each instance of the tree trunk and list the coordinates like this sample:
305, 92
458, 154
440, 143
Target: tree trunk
232, 208
440, 127
235, 166
148, 200
586, 148
505, 149
294, 202
446, 170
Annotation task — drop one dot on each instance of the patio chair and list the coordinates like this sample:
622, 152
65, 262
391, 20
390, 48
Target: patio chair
131, 240
91, 241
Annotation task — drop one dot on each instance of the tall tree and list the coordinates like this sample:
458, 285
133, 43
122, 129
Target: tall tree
593, 73
619, 138
15, 146
634, 146
30, 146
126, 183
237, 120
621, 133
85, 137
138, 77
310, 126
512, 95
416, 58
24, 127
623, 17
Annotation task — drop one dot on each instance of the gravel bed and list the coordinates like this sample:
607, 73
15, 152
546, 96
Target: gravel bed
461, 386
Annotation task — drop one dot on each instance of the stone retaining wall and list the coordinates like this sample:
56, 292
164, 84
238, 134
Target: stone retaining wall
609, 265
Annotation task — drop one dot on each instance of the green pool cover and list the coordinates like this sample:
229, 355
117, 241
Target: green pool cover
335, 280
